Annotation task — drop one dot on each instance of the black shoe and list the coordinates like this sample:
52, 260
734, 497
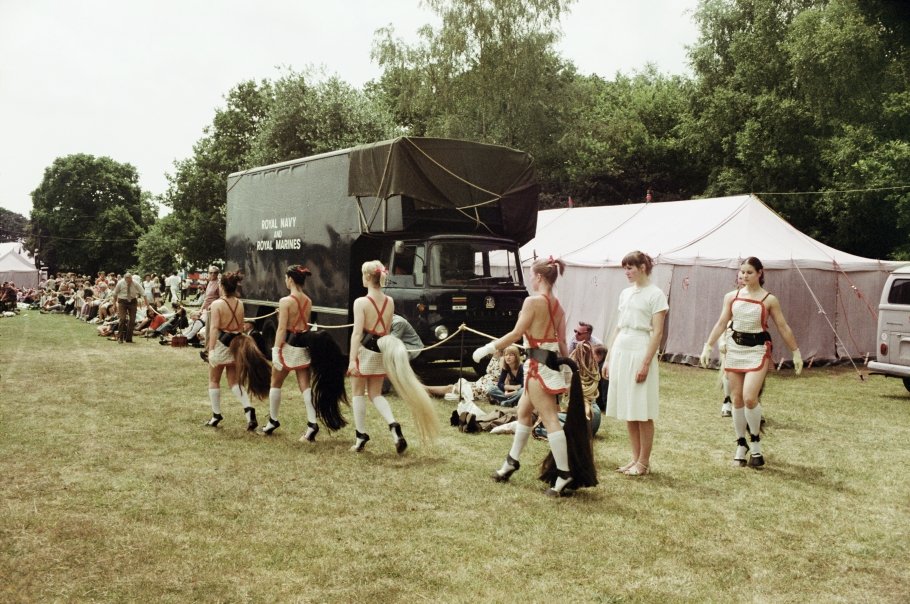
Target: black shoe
204, 355
310, 435
756, 460
453, 420
216, 419
163, 342
271, 426
400, 443
564, 491
252, 423
508, 474
360, 443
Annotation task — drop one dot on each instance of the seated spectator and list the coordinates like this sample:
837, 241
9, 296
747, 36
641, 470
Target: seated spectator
153, 320
195, 332
583, 333
174, 322
508, 389
470, 390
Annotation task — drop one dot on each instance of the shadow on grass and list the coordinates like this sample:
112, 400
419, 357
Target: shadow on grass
808, 475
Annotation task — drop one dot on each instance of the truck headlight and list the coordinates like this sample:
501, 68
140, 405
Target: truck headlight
441, 332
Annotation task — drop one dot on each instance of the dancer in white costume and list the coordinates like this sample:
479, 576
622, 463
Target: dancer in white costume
293, 351
376, 354
227, 346
631, 364
542, 323
745, 313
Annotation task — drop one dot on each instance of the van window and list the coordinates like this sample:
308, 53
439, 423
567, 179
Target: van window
900, 292
473, 263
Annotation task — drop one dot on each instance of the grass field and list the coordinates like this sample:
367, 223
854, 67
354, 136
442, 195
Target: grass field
113, 492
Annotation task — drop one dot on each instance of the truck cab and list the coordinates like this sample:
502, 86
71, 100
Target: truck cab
440, 282
893, 352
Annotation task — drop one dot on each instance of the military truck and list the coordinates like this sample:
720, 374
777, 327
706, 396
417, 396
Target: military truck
434, 211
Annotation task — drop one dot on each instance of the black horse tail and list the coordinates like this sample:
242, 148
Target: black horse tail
254, 371
578, 438
327, 368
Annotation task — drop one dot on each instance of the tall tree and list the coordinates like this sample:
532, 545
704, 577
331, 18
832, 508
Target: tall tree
311, 116
623, 138
197, 188
13, 226
489, 73
87, 214
809, 96
156, 247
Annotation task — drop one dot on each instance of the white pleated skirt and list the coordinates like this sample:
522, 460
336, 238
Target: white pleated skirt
628, 400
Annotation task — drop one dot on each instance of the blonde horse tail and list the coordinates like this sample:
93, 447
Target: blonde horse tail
397, 364
254, 372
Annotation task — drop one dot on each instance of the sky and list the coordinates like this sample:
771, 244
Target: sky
139, 80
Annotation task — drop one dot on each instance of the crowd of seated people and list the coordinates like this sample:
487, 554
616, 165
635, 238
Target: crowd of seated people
91, 300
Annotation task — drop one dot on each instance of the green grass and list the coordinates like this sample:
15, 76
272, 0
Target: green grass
113, 492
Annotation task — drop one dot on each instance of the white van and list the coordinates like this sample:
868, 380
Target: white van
893, 354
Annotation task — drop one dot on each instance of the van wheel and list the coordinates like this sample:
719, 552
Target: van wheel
907, 384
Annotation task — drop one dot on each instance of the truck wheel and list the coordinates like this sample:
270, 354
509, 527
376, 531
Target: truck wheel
907, 384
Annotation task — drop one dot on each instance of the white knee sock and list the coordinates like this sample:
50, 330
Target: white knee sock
359, 406
739, 421
308, 403
753, 418
522, 433
274, 402
215, 398
560, 449
241, 395
385, 410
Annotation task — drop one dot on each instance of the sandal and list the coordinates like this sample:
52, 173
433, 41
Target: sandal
637, 469
625, 468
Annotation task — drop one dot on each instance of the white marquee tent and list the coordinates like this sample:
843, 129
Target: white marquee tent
829, 297
17, 266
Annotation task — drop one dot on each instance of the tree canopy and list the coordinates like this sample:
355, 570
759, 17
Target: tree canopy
88, 212
806, 102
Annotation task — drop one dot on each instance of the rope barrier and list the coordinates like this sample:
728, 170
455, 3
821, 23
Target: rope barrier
460, 329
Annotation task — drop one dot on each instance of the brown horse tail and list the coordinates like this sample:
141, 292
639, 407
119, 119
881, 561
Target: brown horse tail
578, 438
397, 364
254, 371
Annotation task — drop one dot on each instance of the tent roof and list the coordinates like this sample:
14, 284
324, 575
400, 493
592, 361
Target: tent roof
714, 232
12, 261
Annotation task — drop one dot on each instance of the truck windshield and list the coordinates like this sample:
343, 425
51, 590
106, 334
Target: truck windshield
481, 263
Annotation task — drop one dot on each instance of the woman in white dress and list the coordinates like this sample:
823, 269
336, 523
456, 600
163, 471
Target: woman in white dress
744, 319
631, 364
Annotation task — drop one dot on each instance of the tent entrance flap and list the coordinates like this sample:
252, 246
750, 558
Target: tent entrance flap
453, 185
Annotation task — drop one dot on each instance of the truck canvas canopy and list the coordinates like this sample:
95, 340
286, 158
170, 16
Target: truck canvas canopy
488, 184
